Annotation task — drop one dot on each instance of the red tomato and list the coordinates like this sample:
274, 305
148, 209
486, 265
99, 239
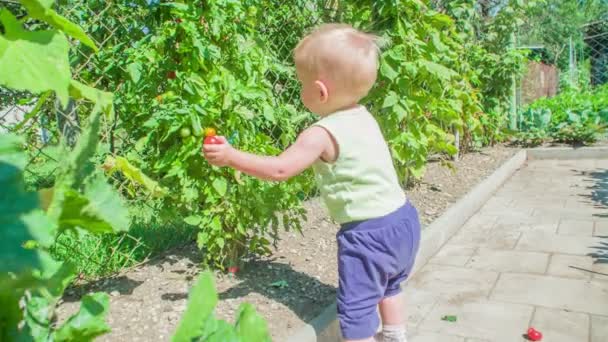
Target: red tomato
212, 140
534, 335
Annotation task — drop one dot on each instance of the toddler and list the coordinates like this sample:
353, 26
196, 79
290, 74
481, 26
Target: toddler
337, 66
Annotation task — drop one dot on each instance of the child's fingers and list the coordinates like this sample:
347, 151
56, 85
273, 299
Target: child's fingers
212, 148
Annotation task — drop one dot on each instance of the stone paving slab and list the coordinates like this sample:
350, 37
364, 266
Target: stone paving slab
484, 319
571, 266
433, 337
601, 228
553, 292
535, 254
599, 328
453, 255
576, 227
450, 281
561, 325
508, 261
545, 242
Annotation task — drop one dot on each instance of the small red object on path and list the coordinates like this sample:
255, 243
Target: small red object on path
534, 335
233, 269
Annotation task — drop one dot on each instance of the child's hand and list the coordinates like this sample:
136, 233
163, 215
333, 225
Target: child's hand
218, 154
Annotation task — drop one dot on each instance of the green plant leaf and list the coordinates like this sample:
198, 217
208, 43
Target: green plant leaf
193, 220
99, 210
42, 10
220, 185
134, 70
388, 71
102, 99
37, 318
390, 100
250, 326
245, 112
437, 70
135, 175
201, 302
22, 219
33, 61
88, 322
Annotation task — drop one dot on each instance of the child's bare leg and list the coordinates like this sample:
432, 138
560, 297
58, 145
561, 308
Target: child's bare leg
392, 310
393, 318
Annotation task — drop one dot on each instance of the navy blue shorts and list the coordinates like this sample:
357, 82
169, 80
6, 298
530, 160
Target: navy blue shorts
374, 257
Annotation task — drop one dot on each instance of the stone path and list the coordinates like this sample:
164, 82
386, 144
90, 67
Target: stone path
535, 255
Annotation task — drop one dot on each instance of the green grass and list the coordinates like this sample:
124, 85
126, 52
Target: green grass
102, 255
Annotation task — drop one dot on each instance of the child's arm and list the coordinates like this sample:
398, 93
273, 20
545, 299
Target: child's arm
310, 146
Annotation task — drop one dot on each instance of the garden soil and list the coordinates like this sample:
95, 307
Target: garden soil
288, 288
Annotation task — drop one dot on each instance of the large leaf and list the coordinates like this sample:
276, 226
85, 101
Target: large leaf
102, 99
251, 326
135, 175
21, 219
33, 61
438, 70
98, 210
77, 166
201, 302
88, 322
42, 10
38, 315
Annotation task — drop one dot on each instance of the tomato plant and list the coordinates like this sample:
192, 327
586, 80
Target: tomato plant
207, 69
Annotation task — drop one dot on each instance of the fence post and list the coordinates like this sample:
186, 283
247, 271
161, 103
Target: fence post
513, 102
572, 64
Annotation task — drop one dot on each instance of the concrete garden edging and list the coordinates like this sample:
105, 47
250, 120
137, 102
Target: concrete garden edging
598, 152
325, 328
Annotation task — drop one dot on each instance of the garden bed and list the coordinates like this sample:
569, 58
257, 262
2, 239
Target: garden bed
289, 288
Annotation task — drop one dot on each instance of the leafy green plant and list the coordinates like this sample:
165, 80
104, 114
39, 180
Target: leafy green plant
423, 91
205, 65
578, 133
31, 280
571, 117
198, 322
531, 138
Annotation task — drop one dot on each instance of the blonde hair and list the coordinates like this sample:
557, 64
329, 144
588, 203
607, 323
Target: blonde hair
348, 57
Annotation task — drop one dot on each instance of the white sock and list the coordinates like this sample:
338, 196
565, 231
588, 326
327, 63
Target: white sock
393, 333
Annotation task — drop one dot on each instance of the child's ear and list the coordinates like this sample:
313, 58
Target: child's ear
323, 92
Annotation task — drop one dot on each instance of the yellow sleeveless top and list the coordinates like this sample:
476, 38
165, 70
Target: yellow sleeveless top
362, 183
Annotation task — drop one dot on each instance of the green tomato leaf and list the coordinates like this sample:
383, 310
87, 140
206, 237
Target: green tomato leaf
387, 70
250, 326
245, 112
102, 99
88, 322
268, 113
136, 175
193, 220
42, 10
437, 70
134, 70
390, 100
33, 61
220, 185
201, 302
